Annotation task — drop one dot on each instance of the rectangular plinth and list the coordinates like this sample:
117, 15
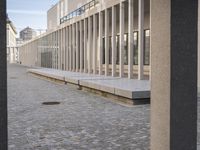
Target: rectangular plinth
128, 88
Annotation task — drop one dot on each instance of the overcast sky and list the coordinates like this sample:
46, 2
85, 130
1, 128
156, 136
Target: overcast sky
32, 13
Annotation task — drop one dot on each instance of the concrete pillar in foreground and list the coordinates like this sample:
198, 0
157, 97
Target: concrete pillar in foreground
130, 41
94, 44
140, 39
81, 46
106, 41
174, 74
100, 42
121, 41
3, 81
114, 41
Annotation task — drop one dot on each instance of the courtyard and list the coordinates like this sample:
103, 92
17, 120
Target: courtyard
82, 120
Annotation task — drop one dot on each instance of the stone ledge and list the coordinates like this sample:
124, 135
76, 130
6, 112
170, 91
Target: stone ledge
119, 88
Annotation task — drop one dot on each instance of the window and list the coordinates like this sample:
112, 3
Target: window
135, 48
117, 52
147, 47
103, 53
126, 49
110, 50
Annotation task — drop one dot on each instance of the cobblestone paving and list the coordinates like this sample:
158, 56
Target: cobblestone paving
82, 121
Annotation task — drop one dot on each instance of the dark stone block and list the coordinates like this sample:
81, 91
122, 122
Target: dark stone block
3, 78
183, 123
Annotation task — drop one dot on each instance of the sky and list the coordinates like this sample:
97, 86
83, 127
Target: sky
32, 13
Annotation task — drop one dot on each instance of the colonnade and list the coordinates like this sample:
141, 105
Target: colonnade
87, 45
12, 54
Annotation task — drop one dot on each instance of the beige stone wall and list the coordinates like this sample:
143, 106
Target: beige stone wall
73, 5
52, 17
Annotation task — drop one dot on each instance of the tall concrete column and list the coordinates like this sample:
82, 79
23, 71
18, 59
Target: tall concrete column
85, 45
106, 42
59, 50
94, 44
56, 50
174, 74
81, 46
114, 41
121, 42
67, 47
89, 44
56, 38
77, 47
100, 42
50, 49
74, 45
141, 39
53, 48
131, 40
70, 47
64, 49
45, 51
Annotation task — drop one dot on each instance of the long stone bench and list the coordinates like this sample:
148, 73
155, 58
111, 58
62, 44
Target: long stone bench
127, 88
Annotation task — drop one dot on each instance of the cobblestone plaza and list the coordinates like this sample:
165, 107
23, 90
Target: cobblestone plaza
82, 121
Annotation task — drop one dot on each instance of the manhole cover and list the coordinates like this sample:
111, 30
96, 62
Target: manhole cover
50, 103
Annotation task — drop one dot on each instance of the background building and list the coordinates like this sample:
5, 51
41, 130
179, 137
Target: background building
53, 19
27, 34
83, 38
12, 50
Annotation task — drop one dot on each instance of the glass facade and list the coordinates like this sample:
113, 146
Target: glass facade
147, 47
110, 50
103, 54
135, 48
126, 49
117, 51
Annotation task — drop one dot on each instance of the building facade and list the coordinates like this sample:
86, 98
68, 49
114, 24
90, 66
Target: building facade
27, 34
53, 19
83, 41
110, 37
12, 50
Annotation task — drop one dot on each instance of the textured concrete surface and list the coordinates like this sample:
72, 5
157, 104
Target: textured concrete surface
82, 121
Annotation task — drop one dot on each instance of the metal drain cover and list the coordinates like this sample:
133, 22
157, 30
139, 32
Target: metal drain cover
50, 103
